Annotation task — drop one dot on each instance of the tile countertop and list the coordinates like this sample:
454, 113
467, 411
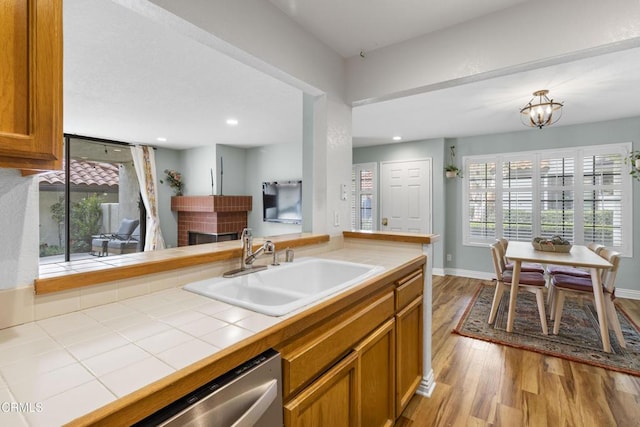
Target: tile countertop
60, 368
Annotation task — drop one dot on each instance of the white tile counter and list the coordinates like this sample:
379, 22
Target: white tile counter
66, 366
77, 362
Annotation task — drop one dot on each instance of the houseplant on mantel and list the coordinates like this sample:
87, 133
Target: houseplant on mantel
451, 170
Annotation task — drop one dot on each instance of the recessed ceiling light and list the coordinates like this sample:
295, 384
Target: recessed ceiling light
397, 138
232, 122
117, 150
161, 139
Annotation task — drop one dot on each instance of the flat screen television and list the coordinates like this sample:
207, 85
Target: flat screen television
282, 202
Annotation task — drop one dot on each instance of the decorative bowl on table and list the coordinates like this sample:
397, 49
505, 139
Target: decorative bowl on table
554, 244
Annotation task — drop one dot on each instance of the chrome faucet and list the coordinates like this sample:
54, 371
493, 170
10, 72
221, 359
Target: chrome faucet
248, 256
268, 248
247, 248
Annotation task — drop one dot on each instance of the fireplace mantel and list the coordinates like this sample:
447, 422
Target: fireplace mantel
210, 214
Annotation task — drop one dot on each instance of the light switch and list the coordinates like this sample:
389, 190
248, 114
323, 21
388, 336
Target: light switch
343, 192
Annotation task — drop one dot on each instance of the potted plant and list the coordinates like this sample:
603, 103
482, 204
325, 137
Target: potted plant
174, 179
452, 170
634, 162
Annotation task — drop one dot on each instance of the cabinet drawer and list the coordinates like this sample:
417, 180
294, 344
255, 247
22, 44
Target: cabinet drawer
333, 400
409, 289
312, 358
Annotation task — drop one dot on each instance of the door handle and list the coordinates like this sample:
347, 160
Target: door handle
253, 414
385, 221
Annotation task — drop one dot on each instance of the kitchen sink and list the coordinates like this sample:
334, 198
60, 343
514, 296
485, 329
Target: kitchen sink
282, 289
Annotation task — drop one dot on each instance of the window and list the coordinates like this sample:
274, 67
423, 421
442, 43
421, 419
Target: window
575, 193
363, 196
101, 190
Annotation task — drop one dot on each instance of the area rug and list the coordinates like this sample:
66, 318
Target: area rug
578, 340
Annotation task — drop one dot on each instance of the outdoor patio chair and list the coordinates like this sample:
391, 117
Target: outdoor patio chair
100, 243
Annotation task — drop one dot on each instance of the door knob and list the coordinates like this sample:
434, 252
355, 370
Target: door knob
385, 221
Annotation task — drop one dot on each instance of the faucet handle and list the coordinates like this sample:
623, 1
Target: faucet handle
289, 255
269, 247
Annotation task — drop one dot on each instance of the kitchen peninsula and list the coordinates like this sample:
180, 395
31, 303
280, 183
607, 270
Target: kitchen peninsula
213, 337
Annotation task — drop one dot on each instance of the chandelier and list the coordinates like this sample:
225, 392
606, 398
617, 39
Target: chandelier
541, 111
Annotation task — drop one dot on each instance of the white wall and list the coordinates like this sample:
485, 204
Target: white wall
256, 33
283, 50
531, 33
19, 249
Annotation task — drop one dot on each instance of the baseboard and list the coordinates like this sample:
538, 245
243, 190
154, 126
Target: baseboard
627, 293
439, 272
427, 385
483, 275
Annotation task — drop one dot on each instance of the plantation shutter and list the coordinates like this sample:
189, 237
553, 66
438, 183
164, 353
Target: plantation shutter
481, 198
517, 199
603, 201
557, 196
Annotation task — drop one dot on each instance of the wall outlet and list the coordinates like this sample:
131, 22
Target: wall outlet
449, 258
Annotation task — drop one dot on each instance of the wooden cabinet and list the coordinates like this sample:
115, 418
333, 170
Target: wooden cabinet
332, 400
409, 352
307, 357
31, 84
361, 367
377, 364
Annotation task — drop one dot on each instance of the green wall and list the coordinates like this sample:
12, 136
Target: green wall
432, 148
447, 195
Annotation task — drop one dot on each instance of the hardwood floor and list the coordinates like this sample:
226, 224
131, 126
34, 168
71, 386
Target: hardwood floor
484, 384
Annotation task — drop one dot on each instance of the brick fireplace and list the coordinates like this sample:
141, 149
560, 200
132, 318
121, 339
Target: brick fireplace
210, 214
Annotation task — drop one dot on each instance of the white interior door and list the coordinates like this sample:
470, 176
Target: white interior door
406, 196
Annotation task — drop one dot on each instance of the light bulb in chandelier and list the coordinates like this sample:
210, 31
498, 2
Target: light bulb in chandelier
541, 111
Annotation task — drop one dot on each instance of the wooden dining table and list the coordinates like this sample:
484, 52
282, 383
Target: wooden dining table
579, 256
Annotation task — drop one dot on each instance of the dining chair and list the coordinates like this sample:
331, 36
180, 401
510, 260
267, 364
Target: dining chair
552, 270
563, 284
508, 265
531, 281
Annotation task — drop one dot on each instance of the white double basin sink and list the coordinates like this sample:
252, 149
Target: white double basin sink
282, 289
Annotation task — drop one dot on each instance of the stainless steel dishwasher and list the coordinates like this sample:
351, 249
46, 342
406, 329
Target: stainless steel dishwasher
249, 395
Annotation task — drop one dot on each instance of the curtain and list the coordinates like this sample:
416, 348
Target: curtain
145, 164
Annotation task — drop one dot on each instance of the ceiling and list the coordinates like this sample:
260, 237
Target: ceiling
134, 80
129, 79
354, 26
594, 89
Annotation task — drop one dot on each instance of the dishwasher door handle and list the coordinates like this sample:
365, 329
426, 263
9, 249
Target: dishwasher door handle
255, 412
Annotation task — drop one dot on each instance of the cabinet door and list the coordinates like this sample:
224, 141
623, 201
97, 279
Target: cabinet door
332, 400
377, 376
31, 84
409, 352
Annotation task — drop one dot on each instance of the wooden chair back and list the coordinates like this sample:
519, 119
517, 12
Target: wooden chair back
595, 247
609, 276
498, 261
501, 247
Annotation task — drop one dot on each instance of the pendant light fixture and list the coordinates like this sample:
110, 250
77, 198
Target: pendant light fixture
541, 111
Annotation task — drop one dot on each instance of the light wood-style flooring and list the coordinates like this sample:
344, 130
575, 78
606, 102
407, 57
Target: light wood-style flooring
484, 384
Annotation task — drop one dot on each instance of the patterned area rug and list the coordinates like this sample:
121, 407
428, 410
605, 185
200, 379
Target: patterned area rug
579, 338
